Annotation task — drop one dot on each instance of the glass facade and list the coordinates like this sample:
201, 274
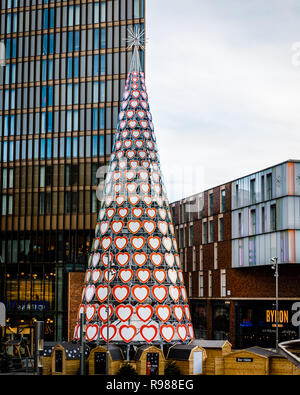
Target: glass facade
60, 91
265, 216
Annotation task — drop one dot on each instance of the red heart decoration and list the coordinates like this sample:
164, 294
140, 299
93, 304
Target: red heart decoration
105, 258
154, 242
89, 293
91, 332
149, 226
127, 332
96, 274
111, 332
126, 275
124, 312
167, 332
147, 200
132, 123
151, 212
102, 312
163, 312
174, 292
134, 103
130, 174
134, 226
121, 292
178, 312
163, 227
139, 143
95, 259
104, 226
112, 275
96, 243
120, 200
117, 226
160, 275
144, 312
121, 242
148, 332
136, 133
144, 104
183, 293
137, 242
140, 292
156, 258
123, 212
135, 94
101, 292
145, 163
122, 258
134, 163
137, 212
90, 311
142, 154
143, 275
110, 213
182, 332
187, 312
191, 331
134, 199
140, 258
160, 292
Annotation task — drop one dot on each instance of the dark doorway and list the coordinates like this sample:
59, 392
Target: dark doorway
100, 362
58, 361
152, 363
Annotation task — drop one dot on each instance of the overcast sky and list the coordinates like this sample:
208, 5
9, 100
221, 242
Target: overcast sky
223, 79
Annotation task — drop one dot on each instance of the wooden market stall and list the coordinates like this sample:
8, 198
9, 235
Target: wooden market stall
149, 360
251, 361
66, 358
97, 360
47, 358
189, 358
215, 352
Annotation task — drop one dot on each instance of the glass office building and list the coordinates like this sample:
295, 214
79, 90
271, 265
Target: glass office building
66, 65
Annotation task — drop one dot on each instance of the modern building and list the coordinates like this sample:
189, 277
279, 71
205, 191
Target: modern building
227, 236
66, 66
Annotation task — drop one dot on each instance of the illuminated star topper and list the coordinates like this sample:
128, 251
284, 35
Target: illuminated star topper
135, 40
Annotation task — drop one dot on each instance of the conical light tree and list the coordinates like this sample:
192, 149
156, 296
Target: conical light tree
134, 290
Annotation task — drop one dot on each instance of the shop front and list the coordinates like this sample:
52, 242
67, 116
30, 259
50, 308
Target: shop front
255, 323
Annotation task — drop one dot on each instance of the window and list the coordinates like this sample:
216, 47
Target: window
209, 284
215, 256
237, 195
240, 230
262, 186
221, 229
42, 176
201, 258
201, 285
252, 251
211, 231
252, 192
223, 283
252, 229
269, 186
223, 195
4, 178
273, 218
190, 284
204, 232
211, 203
194, 259
263, 229
191, 235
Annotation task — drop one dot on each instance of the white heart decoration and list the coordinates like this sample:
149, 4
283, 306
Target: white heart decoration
148, 332
144, 104
90, 311
183, 293
117, 226
169, 258
187, 312
178, 311
124, 312
159, 275
182, 332
174, 293
134, 103
137, 242
145, 187
102, 312
112, 330
163, 227
96, 258
134, 226
154, 242
120, 242
91, 332
125, 275
167, 332
172, 275
96, 275
144, 312
143, 275
121, 292
167, 242
163, 313
135, 94
159, 292
89, 293
140, 293
149, 226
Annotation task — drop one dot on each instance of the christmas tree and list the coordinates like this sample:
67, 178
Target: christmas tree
134, 289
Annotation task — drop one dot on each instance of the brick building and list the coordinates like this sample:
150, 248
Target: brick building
226, 236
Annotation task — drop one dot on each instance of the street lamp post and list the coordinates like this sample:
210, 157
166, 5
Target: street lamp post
274, 260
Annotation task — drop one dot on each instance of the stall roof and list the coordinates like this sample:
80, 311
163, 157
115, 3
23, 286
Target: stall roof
181, 351
209, 343
48, 347
115, 352
73, 350
261, 351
